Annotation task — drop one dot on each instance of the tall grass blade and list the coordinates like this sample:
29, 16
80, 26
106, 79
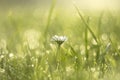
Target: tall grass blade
100, 23
86, 40
49, 19
86, 24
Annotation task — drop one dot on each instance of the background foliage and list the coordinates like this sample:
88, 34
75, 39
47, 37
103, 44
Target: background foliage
27, 53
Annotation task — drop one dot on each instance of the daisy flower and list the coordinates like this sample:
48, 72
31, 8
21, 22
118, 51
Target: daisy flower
59, 39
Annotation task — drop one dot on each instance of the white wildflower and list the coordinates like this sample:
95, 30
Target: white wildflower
59, 39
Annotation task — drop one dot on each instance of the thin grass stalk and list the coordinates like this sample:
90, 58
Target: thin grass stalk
58, 57
100, 24
99, 33
35, 72
49, 19
50, 70
86, 40
58, 60
86, 24
47, 26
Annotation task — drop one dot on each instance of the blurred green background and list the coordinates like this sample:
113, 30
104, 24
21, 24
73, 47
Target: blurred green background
26, 29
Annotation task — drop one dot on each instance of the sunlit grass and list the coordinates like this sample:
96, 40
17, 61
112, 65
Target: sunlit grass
90, 49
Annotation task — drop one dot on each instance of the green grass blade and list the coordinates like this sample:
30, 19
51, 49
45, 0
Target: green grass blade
49, 17
86, 24
86, 40
100, 23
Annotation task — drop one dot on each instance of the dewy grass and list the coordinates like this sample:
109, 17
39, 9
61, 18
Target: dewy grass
66, 62
92, 33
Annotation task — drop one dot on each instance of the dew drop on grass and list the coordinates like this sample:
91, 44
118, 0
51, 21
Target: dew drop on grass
93, 69
94, 42
2, 56
104, 37
11, 55
2, 70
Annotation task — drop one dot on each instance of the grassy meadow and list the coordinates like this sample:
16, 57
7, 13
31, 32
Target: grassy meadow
91, 51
